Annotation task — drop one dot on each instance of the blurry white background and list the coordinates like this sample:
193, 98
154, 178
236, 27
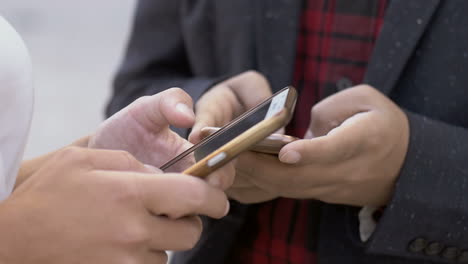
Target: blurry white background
76, 47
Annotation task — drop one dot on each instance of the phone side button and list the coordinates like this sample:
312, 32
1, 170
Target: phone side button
216, 159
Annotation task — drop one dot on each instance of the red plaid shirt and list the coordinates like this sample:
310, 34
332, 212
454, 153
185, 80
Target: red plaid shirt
334, 45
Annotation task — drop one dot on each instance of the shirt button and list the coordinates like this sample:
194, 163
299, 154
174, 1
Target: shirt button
450, 253
344, 83
433, 249
463, 258
417, 245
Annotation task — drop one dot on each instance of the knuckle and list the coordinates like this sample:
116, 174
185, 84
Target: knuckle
364, 92
179, 92
254, 74
194, 198
126, 159
320, 121
257, 76
74, 154
175, 90
141, 100
365, 87
317, 112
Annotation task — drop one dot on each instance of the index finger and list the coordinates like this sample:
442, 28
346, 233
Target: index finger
214, 109
101, 159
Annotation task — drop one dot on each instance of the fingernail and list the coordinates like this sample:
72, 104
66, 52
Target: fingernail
228, 206
185, 109
291, 157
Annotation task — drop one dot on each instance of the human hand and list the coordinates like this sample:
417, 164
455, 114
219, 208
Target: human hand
109, 208
360, 140
142, 128
223, 103
229, 99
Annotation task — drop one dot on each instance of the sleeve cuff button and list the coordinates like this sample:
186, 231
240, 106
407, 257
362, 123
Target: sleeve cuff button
433, 249
417, 245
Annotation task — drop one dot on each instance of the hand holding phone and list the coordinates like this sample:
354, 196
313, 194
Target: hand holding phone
240, 134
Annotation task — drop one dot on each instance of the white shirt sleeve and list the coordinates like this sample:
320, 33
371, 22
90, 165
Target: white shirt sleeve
16, 104
367, 224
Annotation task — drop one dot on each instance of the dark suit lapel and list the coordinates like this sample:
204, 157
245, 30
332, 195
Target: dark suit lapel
405, 23
276, 34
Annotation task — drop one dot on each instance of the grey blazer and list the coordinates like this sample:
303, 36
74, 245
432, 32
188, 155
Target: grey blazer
420, 61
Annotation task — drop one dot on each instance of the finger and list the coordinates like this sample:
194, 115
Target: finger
250, 87
265, 171
174, 234
270, 175
215, 109
332, 111
100, 159
224, 177
341, 143
177, 195
241, 180
170, 107
229, 99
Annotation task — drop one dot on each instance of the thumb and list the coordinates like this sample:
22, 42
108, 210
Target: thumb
170, 107
334, 110
341, 143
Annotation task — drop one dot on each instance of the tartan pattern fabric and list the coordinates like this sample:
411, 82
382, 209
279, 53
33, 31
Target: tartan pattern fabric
335, 41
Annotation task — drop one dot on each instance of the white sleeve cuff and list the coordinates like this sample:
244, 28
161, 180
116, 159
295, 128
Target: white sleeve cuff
367, 224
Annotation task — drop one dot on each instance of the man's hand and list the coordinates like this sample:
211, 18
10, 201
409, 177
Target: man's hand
142, 128
223, 103
99, 206
360, 140
229, 99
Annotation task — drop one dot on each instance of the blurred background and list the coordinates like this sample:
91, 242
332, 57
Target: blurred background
76, 47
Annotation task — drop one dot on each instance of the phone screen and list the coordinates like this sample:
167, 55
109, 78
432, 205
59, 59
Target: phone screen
265, 110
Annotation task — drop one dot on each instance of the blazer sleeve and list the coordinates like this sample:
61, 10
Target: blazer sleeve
156, 58
428, 216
